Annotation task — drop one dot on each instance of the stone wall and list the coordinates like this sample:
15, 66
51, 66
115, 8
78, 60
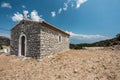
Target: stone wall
50, 41
40, 40
32, 31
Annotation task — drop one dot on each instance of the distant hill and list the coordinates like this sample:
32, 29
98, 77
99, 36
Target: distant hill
109, 42
4, 41
104, 43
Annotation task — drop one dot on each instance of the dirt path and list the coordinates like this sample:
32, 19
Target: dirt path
69, 65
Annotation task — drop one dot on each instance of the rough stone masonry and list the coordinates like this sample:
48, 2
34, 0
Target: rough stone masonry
37, 39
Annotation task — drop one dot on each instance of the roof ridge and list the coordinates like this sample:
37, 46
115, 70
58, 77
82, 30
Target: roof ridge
44, 23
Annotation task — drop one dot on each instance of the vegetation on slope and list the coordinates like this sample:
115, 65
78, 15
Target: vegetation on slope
104, 43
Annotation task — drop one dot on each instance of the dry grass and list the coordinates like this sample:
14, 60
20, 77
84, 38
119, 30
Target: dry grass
69, 65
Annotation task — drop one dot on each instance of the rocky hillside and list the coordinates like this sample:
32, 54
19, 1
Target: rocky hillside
104, 43
109, 42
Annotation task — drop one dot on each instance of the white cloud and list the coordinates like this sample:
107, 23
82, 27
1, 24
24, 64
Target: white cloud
65, 6
53, 13
59, 11
23, 6
26, 15
79, 2
33, 16
87, 37
71, 3
17, 17
6, 5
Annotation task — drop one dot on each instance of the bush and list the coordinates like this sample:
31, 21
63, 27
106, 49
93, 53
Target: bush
72, 46
118, 37
76, 46
1, 47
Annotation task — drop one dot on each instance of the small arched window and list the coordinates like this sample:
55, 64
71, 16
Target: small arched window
59, 38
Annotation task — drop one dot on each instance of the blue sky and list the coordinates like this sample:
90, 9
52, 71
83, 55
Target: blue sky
85, 20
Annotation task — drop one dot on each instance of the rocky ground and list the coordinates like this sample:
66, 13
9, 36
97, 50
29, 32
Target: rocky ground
70, 65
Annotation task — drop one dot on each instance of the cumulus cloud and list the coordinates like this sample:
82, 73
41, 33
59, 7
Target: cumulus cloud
33, 16
53, 13
17, 17
87, 37
26, 15
6, 5
79, 2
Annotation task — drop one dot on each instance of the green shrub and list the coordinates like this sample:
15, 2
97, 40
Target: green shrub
1, 47
118, 37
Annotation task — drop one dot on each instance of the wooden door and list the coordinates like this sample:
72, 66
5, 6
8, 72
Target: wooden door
23, 46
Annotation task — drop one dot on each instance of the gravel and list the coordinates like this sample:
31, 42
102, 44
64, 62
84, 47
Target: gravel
70, 65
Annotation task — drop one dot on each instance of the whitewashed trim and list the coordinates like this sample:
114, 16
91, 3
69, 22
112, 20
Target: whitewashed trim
19, 45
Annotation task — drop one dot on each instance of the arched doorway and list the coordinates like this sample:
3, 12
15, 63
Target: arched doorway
22, 45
